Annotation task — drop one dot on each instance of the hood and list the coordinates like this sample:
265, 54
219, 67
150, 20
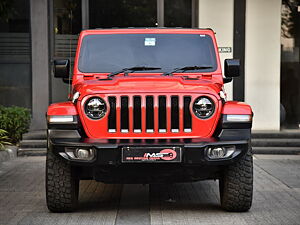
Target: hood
147, 85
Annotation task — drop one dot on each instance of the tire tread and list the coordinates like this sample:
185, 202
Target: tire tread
236, 185
61, 185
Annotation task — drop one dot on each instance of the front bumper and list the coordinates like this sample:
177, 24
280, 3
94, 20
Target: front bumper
109, 152
107, 164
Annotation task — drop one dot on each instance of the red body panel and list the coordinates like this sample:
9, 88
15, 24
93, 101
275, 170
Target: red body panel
63, 108
236, 108
152, 84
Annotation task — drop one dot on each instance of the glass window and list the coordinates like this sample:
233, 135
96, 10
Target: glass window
119, 13
67, 26
15, 53
290, 64
178, 13
107, 53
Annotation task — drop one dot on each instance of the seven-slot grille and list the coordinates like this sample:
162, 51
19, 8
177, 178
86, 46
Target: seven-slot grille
149, 114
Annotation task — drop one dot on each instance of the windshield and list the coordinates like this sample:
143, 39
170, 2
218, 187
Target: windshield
113, 52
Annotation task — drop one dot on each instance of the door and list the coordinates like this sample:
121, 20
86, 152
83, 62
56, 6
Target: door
290, 64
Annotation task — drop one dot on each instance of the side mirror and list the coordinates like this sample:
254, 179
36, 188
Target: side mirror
62, 68
227, 80
232, 67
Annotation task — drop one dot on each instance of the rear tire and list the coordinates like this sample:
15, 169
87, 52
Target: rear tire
236, 185
61, 185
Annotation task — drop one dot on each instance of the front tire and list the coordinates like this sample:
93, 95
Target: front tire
236, 185
61, 185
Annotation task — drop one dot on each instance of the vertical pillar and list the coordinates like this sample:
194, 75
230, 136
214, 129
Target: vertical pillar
262, 62
85, 14
218, 15
239, 48
40, 62
195, 13
160, 13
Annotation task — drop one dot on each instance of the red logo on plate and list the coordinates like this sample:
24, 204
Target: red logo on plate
168, 154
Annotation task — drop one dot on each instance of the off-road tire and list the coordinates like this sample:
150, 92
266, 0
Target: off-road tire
236, 185
61, 185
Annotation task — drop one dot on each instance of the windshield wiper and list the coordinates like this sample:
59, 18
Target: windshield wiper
132, 69
185, 69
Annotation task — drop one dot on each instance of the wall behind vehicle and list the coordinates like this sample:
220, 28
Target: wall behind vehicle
262, 62
262, 53
218, 15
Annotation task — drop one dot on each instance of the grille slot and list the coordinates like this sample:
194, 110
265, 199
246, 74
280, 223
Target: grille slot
137, 114
112, 119
187, 122
174, 114
162, 114
149, 114
124, 114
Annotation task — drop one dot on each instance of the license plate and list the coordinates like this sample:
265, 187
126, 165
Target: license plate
151, 154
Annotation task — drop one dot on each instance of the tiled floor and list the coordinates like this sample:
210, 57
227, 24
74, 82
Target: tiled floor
276, 198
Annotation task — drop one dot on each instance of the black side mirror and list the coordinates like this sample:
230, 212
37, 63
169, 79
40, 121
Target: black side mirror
62, 68
227, 80
232, 67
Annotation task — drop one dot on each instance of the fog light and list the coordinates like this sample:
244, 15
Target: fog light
220, 152
216, 153
80, 153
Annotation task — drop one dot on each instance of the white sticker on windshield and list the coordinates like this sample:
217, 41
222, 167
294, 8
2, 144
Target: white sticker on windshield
202, 35
150, 41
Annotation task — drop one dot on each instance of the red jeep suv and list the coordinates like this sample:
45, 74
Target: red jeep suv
148, 106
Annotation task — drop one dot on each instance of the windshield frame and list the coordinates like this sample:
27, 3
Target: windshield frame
217, 69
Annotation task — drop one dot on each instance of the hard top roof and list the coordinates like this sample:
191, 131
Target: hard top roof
146, 30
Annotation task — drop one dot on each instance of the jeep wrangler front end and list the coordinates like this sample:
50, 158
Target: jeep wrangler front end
147, 106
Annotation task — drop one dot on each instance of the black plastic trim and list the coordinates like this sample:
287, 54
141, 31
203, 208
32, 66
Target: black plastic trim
193, 153
235, 125
71, 134
235, 134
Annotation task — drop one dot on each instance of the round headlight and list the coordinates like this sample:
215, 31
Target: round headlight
95, 108
203, 107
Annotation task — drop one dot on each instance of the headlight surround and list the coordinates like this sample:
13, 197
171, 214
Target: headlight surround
95, 108
203, 107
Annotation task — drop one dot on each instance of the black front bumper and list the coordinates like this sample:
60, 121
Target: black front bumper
107, 165
109, 152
